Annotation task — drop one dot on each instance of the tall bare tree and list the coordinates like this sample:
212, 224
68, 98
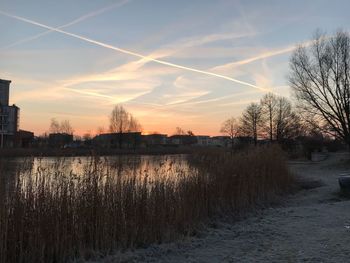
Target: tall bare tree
119, 120
230, 127
280, 120
63, 127
251, 121
122, 121
268, 107
55, 126
319, 76
66, 127
286, 122
134, 125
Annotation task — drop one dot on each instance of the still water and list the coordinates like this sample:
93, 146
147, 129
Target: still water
159, 166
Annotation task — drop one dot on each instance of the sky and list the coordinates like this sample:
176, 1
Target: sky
190, 64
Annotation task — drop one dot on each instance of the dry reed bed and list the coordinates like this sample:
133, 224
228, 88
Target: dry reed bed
54, 216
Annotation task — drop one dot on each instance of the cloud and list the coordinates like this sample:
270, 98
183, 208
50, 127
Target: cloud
132, 53
75, 21
267, 54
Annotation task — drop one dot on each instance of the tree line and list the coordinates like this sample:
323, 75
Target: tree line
319, 77
273, 118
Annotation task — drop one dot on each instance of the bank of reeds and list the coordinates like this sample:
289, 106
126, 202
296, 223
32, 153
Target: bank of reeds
55, 216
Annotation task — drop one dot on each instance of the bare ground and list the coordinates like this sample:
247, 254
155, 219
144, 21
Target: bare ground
312, 225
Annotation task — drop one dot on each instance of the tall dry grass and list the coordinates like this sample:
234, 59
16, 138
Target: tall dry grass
54, 216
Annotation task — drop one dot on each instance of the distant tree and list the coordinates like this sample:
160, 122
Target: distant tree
320, 77
119, 120
179, 131
231, 128
287, 122
251, 121
55, 126
190, 133
100, 130
134, 125
268, 107
122, 121
66, 127
280, 120
63, 127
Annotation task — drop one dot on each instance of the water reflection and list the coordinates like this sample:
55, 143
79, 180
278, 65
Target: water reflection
169, 167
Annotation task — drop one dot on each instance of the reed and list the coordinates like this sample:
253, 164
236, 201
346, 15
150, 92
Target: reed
54, 215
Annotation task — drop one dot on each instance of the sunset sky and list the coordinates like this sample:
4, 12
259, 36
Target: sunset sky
212, 58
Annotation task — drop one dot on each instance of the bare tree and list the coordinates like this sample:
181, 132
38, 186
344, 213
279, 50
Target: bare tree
122, 121
119, 120
268, 106
319, 76
63, 127
230, 127
66, 127
251, 121
281, 122
287, 123
134, 125
54, 126
100, 130
190, 133
179, 131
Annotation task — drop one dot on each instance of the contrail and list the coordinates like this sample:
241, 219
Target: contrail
75, 21
266, 54
125, 51
90, 93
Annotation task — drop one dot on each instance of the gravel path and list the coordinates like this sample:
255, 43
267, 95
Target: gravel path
311, 226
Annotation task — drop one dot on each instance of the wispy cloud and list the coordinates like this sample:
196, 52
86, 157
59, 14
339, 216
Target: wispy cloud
125, 51
267, 54
129, 72
75, 21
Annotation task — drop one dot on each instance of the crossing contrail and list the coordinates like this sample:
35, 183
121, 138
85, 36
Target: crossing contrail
129, 52
75, 21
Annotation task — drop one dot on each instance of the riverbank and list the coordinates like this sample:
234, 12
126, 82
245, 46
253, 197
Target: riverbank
312, 225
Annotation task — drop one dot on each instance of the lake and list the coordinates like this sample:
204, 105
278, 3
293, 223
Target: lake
152, 167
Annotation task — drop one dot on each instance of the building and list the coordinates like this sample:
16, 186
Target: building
221, 141
128, 140
154, 139
203, 140
24, 139
9, 116
184, 139
59, 140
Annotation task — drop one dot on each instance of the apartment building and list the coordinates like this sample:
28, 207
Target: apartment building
9, 116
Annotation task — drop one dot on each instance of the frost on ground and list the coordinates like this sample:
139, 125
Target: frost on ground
311, 226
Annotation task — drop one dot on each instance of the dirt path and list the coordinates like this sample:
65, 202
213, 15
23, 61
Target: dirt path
311, 226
